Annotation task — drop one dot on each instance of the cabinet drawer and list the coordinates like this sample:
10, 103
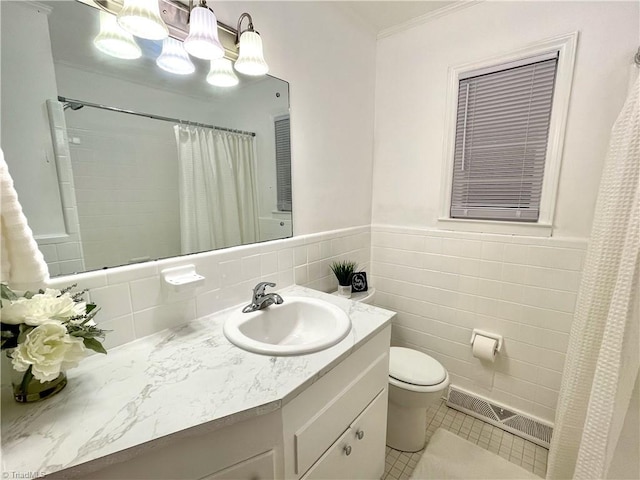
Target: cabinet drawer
364, 440
313, 438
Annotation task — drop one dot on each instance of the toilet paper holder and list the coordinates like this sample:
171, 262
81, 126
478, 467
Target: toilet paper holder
482, 333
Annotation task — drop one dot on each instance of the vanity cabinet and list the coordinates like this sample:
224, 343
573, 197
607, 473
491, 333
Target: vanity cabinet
354, 454
334, 429
337, 427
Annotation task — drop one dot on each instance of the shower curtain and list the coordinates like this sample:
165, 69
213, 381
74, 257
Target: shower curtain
603, 358
218, 205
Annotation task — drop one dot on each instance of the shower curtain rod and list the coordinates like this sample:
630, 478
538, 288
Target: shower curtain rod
155, 117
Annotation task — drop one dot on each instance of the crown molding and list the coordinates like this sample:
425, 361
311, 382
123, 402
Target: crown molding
428, 17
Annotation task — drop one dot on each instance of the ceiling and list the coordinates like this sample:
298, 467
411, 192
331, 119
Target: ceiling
380, 15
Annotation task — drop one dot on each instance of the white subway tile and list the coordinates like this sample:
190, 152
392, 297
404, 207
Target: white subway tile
299, 256
153, 320
285, 278
551, 299
546, 397
489, 288
129, 273
432, 245
230, 273
563, 258
146, 293
268, 263
493, 251
549, 379
114, 301
313, 252
515, 253
300, 275
121, 331
250, 267
285, 260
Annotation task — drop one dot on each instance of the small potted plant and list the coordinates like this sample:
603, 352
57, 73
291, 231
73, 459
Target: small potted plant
343, 271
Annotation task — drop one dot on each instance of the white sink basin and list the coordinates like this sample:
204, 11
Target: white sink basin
299, 325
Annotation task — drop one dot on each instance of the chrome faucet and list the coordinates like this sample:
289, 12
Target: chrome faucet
262, 300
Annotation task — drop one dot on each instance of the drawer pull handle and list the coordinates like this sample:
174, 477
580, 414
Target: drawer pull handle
347, 450
360, 434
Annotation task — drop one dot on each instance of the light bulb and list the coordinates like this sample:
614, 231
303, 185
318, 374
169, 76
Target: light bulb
114, 41
174, 58
202, 41
221, 73
251, 59
142, 19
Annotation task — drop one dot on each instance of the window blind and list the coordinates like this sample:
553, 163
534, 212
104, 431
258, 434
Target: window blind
502, 128
283, 163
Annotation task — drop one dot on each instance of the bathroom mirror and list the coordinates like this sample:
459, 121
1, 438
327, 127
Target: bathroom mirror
101, 187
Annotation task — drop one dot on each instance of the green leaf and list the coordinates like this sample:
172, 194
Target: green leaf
94, 345
7, 293
91, 307
29, 295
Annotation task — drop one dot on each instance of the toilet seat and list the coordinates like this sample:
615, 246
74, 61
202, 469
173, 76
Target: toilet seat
416, 371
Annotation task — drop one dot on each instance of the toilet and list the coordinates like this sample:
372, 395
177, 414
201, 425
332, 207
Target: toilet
416, 381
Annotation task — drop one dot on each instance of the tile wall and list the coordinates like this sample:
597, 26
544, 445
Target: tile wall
135, 303
444, 284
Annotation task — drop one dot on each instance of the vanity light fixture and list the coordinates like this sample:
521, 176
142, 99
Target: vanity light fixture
174, 58
221, 73
142, 19
114, 41
251, 57
202, 41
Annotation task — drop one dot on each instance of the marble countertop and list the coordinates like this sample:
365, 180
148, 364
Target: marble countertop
165, 383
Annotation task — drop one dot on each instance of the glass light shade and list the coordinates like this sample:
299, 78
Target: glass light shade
251, 59
202, 41
174, 58
114, 41
221, 73
142, 19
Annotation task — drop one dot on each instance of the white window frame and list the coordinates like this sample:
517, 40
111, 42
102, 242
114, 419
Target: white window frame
566, 46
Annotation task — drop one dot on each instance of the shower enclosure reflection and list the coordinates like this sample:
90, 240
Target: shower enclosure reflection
117, 188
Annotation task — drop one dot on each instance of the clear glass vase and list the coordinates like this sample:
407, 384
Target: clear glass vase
34, 391
344, 291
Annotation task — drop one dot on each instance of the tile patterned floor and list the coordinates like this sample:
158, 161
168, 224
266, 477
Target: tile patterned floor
400, 465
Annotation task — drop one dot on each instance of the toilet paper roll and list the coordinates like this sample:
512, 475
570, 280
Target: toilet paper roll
484, 348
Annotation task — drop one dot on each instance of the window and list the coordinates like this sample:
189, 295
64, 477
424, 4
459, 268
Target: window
503, 144
502, 130
283, 163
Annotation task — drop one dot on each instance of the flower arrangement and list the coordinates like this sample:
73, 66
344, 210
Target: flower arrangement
47, 332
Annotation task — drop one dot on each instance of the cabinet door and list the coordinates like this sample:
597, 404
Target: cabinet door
369, 432
335, 463
359, 452
259, 467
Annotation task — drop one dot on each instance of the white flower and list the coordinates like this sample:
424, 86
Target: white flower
41, 308
49, 349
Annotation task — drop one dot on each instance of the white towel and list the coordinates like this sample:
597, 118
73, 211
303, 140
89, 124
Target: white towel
23, 266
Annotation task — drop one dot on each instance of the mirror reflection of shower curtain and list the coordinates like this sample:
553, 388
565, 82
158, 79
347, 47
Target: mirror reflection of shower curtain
218, 204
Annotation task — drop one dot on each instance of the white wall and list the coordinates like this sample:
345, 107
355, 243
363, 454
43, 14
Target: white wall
446, 283
328, 60
411, 89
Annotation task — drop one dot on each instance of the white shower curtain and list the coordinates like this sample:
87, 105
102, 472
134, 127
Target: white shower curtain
218, 205
603, 358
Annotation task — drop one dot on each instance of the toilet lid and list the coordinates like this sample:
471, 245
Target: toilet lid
417, 368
